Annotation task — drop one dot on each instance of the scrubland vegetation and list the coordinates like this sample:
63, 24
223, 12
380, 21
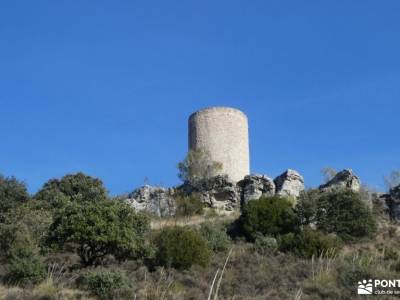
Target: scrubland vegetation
72, 241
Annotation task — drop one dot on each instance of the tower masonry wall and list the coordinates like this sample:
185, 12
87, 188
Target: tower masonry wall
224, 133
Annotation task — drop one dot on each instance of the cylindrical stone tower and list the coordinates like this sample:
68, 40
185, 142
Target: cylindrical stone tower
224, 133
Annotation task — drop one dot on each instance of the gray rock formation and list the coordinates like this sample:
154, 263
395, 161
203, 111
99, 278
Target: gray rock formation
155, 200
254, 186
344, 179
218, 192
393, 202
290, 183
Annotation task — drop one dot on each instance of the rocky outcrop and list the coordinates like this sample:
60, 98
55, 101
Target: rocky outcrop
344, 179
289, 184
254, 186
218, 192
155, 200
393, 202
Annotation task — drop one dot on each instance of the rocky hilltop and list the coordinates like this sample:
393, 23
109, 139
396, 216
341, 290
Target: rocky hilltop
218, 192
226, 196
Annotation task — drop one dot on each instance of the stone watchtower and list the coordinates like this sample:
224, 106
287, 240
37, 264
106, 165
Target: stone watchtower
224, 133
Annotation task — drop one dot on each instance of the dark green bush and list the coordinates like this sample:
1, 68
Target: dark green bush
107, 284
216, 236
100, 228
268, 216
189, 206
344, 212
308, 243
26, 271
180, 248
12, 194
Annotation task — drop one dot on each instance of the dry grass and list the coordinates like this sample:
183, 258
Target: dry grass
191, 221
239, 274
45, 290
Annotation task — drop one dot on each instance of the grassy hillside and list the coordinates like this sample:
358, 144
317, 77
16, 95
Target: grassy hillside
71, 241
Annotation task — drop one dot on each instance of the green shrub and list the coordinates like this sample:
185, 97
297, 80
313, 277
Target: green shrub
343, 212
12, 194
265, 245
216, 237
180, 248
356, 268
107, 284
100, 228
25, 271
23, 231
308, 243
189, 206
16, 241
268, 216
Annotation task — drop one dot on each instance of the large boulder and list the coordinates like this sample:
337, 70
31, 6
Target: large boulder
218, 192
155, 200
344, 179
393, 202
289, 184
254, 186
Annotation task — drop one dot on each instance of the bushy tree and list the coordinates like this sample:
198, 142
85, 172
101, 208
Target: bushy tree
268, 216
72, 187
13, 193
100, 228
180, 248
308, 243
344, 212
198, 166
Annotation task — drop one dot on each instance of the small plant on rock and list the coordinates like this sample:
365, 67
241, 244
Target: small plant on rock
198, 166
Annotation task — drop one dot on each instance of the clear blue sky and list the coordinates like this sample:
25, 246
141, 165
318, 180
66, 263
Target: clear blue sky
105, 87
